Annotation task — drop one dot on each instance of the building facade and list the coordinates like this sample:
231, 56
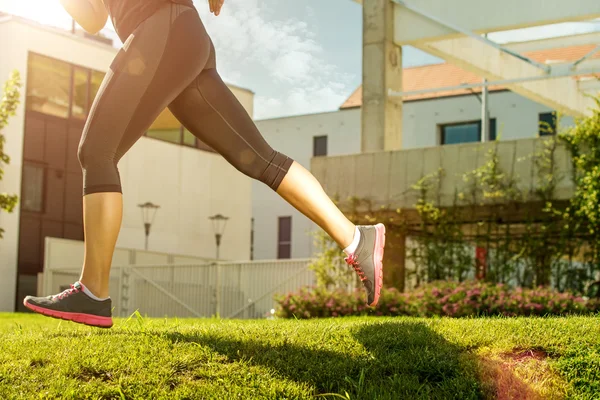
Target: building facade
429, 119
61, 72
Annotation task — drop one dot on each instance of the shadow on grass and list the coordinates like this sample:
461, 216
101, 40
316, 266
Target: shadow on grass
403, 360
406, 360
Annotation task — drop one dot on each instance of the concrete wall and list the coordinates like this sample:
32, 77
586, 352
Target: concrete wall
189, 184
245, 97
386, 177
516, 118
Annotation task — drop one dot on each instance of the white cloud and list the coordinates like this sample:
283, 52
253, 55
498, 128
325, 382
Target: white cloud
252, 45
294, 66
248, 38
298, 100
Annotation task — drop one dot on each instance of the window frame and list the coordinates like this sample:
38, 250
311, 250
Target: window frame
315, 140
493, 135
88, 101
72, 68
284, 243
44, 188
553, 125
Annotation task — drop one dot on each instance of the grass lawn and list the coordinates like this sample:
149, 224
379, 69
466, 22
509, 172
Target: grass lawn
353, 358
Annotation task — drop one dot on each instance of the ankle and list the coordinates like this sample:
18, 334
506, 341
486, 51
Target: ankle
94, 289
353, 244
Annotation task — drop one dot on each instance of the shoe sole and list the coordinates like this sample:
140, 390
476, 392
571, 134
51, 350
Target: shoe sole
378, 256
86, 319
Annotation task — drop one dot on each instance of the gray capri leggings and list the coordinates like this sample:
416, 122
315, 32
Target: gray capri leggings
169, 60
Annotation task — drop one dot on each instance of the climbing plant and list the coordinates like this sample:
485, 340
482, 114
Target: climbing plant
530, 236
8, 106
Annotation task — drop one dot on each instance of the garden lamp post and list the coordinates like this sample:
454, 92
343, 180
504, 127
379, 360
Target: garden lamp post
219, 221
148, 214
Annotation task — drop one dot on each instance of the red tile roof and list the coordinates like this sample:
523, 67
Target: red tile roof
446, 74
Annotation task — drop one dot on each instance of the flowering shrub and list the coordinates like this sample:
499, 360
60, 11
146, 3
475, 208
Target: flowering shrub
452, 299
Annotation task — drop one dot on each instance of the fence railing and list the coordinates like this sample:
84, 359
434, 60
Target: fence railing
226, 289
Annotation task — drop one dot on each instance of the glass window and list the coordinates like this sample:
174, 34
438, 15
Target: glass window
319, 146
466, 132
284, 240
32, 198
166, 127
547, 124
79, 108
48, 85
188, 138
168, 135
461, 133
492, 129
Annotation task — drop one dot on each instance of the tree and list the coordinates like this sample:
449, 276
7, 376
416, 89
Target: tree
8, 106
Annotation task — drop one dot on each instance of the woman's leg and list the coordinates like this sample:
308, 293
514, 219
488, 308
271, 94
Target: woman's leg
156, 64
209, 110
102, 216
302, 190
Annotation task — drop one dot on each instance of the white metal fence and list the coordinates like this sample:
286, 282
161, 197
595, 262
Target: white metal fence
227, 289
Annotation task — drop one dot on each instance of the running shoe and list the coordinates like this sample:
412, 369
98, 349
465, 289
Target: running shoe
367, 260
73, 305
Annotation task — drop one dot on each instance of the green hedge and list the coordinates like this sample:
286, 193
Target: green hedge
452, 299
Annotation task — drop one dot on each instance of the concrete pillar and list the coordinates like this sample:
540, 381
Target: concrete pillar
382, 70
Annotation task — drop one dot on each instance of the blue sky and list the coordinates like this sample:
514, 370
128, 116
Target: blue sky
298, 56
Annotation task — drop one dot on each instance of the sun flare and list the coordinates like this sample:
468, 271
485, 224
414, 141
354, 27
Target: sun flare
48, 12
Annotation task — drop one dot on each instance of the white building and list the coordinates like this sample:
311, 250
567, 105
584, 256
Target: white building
61, 72
429, 119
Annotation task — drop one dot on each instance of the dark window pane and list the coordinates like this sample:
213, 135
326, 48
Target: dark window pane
284, 251
285, 229
97, 78
79, 108
34, 141
29, 243
54, 201
168, 135
72, 201
284, 242
492, 129
547, 124
319, 146
461, 133
56, 143
73, 231
32, 198
188, 138
48, 86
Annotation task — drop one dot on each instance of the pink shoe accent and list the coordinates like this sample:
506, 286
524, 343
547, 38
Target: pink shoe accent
87, 319
351, 261
378, 256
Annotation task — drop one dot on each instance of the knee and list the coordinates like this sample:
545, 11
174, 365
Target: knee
81, 155
100, 173
93, 158
270, 171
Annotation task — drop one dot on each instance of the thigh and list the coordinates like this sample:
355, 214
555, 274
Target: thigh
156, 63
210, 111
